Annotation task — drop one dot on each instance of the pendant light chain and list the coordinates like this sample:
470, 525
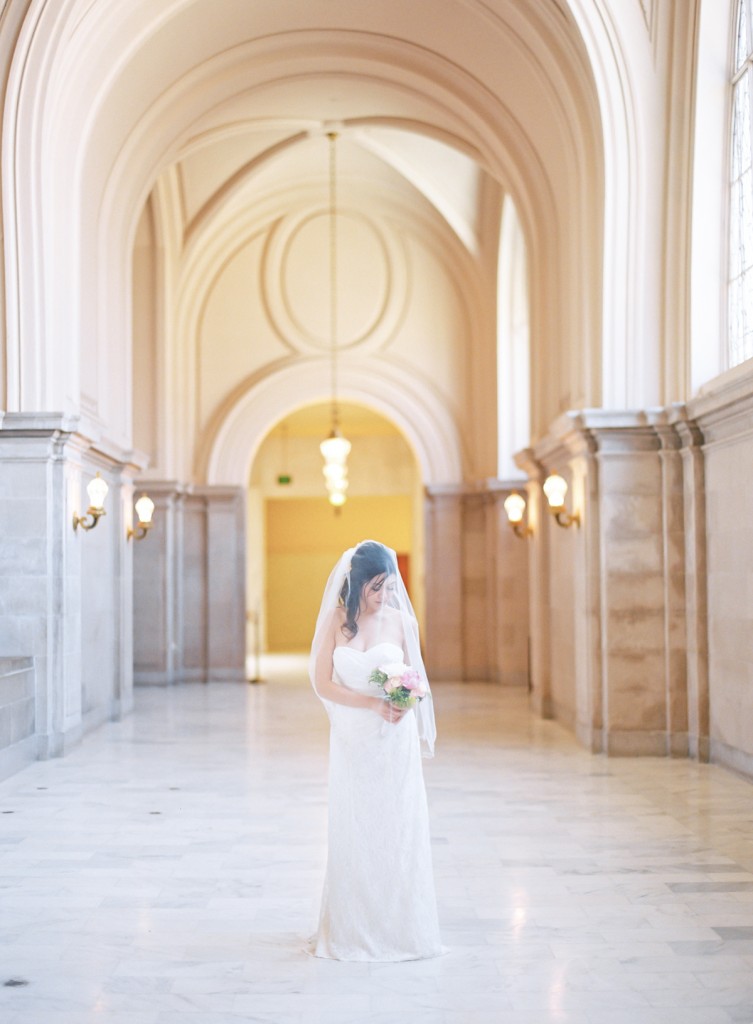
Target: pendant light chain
333, 325
335, 448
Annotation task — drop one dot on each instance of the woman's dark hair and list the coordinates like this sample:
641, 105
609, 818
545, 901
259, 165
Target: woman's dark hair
370, 559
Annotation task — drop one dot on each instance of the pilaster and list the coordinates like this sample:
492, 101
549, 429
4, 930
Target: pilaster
613, 591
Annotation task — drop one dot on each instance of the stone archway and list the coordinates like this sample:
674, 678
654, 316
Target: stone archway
229, 449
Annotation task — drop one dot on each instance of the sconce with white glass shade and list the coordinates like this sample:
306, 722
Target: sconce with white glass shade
97, 490
144, 512
515, 507
555, 489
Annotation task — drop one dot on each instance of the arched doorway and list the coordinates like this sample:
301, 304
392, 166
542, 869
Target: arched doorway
295, 536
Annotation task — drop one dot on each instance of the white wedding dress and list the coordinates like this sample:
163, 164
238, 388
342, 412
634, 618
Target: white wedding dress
378, 902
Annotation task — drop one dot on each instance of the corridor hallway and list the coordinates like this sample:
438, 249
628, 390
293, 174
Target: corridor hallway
168, 871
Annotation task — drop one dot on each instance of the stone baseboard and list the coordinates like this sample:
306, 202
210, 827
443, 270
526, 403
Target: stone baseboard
739, 761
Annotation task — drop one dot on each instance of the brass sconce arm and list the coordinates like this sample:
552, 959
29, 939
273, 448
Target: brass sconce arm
521, 531
90, 520
564, 518
139, 532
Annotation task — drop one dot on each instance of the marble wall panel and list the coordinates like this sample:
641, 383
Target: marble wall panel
635, 702
17, 714
725, 416
61, 600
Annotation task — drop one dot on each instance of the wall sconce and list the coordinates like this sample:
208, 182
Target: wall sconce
144, 511
97, 490
515, 506
555, 489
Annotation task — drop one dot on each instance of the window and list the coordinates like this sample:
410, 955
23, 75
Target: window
740, 326
513, 329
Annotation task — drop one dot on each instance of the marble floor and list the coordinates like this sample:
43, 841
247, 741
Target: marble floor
168, 871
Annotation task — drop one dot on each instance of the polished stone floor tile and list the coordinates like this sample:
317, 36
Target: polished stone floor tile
168, 871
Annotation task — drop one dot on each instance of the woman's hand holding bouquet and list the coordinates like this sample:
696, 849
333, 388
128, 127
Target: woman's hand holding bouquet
402, 688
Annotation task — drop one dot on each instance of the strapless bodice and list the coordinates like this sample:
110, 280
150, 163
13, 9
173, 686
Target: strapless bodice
353, 667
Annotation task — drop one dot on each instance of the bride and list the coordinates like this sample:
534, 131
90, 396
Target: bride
378, 901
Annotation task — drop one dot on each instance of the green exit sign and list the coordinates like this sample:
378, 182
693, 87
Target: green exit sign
284, 479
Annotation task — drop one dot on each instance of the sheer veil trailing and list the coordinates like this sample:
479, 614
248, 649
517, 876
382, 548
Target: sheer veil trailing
395, 626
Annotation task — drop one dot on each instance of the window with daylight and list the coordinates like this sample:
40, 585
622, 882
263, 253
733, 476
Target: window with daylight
740, 324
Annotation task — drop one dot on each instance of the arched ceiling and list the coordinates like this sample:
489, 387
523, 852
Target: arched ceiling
230, 170
410, 84
443, 105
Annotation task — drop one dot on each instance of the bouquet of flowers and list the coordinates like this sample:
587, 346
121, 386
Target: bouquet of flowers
401, 685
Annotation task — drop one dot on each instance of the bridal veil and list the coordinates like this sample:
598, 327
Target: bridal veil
396, 611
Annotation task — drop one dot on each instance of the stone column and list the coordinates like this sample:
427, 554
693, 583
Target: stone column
620, 614
443, 644
508, 567
226, 583
538, 587
156, 589
190, 571
477, 594
674, 540
633, 590
696, 610
569, 619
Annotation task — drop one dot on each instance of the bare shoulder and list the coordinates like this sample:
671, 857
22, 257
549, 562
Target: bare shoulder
339, 618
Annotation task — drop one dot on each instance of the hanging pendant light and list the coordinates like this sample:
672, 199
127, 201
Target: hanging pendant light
335, 448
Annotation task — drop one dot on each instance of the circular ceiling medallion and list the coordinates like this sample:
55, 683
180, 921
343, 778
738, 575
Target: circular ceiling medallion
370, 280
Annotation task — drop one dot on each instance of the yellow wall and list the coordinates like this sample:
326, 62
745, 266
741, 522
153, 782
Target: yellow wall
304, 540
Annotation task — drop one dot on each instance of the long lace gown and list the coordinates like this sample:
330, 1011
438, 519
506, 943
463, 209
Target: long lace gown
379, 900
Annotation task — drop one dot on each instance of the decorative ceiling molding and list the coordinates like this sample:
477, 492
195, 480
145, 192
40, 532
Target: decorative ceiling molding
298, 318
